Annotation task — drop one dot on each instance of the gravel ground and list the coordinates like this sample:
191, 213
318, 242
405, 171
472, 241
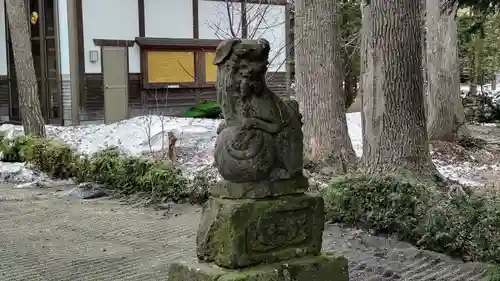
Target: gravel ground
46, 237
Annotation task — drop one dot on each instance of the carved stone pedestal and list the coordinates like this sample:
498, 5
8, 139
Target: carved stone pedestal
267, 239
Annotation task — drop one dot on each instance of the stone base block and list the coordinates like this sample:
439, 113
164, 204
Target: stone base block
244, 232
261, 189
325, 267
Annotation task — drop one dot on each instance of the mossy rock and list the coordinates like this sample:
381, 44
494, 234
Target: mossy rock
324, 267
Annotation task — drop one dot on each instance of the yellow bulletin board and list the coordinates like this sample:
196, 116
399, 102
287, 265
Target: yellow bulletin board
170, 67
210, 68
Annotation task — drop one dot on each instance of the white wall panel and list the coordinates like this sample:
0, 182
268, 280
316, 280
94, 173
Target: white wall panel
110, 19
168, 18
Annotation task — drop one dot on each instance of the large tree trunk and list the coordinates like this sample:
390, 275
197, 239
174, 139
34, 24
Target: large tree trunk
395, 137
319, 85
445, 112
29, 102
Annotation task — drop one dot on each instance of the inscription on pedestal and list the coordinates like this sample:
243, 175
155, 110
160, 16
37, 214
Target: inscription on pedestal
273, 231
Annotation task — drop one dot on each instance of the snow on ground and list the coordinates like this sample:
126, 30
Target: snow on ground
17, 172
462, 171
196, 138
130, 135
487, 88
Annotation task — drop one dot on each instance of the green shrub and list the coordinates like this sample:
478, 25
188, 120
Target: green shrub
52, 157
466, 227
119, 172
207, 109
135, 174
383, 205
494, 273
16, 150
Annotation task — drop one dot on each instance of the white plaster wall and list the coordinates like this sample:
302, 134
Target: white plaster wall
110, 19
62, 7
268, 22
3, 41
214, 19
168, 18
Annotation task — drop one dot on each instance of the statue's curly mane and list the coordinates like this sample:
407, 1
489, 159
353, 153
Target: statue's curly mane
226, 89
236, 145
233, 91
231, 97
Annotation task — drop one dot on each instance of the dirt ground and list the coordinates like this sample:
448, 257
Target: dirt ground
481, 164
46, 237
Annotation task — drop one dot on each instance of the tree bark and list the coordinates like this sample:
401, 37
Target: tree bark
445, 112
350, 89
395, 137
290, 47
424, 54
29, 102
366, 70
319, 85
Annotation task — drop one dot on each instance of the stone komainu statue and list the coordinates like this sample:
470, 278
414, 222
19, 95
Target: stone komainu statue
259, 214
261, 137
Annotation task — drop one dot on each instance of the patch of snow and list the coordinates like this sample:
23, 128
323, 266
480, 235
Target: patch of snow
130, 135
457, 172
25, 177
140, 135
17, 172
489, 124
487, 88
355, 131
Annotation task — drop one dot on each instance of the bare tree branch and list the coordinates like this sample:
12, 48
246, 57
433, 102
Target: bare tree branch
228, 9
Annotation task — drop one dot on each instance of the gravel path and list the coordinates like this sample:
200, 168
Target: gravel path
47, 238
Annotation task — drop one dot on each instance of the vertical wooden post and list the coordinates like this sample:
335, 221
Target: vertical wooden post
74, 62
